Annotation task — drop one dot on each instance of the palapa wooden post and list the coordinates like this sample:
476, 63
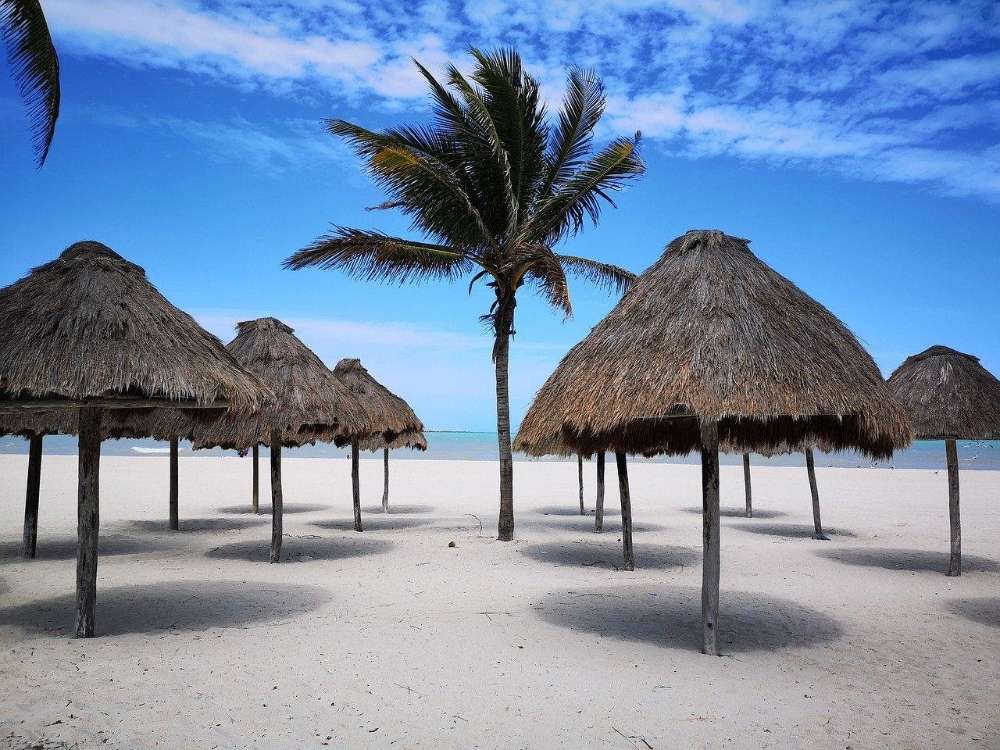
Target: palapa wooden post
31, 495
385, 486
710, 537
955, 560
256, 479
579, 472
174, 516
746, 484
599, 504
88, 520
276, 495
356, 483
814, 489
626, 503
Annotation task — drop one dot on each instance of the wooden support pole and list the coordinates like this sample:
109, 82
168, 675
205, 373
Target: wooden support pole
385, 486
710, 537
811, 470
174, 516
31, 495
746, 484
88, 520
256, 479
356, 483
599, 509
276, 495
955, 560
579, 472
626, 503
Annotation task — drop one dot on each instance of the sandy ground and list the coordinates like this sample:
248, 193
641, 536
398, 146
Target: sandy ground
392, 639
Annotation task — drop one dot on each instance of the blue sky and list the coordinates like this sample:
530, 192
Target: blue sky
855, 143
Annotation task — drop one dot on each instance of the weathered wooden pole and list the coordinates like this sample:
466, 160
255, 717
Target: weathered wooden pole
385, 486
356, 484
256, 479
955, 561
276, 496
599, 505
88, 519
746, 484
579, 472
31, 495
811, 470
626, 503
710, 537
174, 518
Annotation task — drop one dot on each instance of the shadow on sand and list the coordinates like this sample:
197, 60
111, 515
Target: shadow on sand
908, 559
608, 554
373, 522
171, 605
585, 524
789, 530
671, 617
64, 547
399, 510
984, 610
196, 525
301, 549
265, 510
742, 513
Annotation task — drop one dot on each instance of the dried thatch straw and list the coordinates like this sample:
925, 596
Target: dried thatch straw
950, 396
711, 332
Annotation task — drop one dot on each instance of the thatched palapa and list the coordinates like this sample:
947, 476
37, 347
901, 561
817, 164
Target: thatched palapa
710, 346
88, 332
396, 426
949, 396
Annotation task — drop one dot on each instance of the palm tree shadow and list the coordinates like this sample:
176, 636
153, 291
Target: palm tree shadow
984, 610
916, 560
741, 513
373, 522
789, 530
608, 554
400, 510
265, 510
671, 617
171, 605
196, 525
65, 547
296, 549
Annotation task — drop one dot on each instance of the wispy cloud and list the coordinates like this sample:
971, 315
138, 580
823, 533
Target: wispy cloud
888, 91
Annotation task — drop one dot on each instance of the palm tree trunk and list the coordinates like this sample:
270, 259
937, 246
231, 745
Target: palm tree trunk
626, 502
385, 487
276, 496
579, 472
955, 561
256, 479
174, 515
746, 484
814, 490
88, 520
711, 562
356, 483
501, 351
31, 495
599, 509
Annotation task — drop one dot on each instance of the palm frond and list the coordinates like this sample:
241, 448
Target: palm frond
35, 67
539, 265
603, 275
373, 255
582, 109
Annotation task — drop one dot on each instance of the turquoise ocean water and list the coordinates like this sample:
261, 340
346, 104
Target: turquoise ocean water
482, 446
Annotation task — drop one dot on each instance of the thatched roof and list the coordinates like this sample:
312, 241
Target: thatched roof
311, 402
948, 394
394, 421
710, 331
89, 325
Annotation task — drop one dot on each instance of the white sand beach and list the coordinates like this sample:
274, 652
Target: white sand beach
390, 638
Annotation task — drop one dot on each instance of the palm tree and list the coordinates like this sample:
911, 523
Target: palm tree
493, 188
35, 67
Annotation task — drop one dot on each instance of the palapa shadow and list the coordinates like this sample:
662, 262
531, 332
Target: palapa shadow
265, 510
585, 524
671, 617
65, 547
373, 522
196, 525
741, 513
400, 510
984, 610
790, 530
917, 560
571, 508
608, 554
301, 549
171, 605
